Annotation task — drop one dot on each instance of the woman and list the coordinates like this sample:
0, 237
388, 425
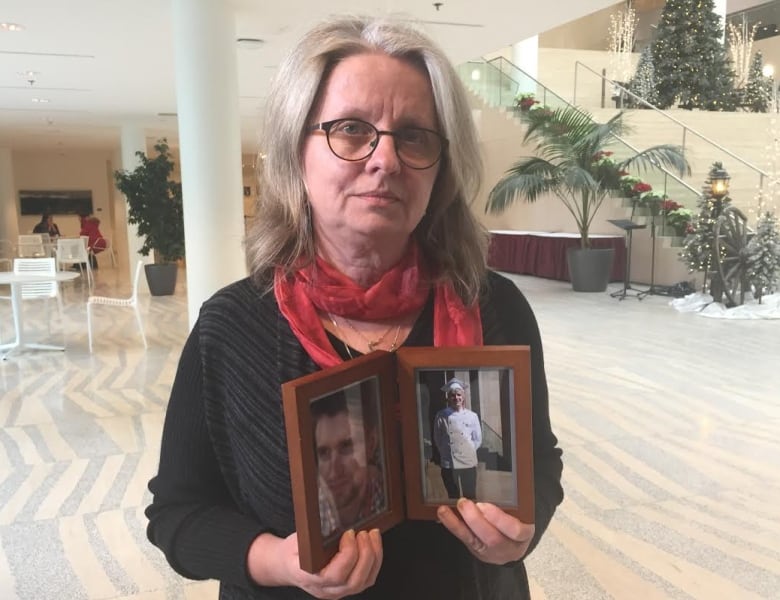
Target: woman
47, 225
366, 242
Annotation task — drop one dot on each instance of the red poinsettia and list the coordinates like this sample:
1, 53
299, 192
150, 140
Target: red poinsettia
668, 206
641, 188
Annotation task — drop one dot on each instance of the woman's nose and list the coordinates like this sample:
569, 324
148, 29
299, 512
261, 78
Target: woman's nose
384, 155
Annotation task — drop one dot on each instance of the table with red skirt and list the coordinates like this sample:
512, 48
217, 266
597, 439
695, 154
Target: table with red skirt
543, 254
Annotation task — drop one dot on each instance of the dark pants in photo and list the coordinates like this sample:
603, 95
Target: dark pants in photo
460, 482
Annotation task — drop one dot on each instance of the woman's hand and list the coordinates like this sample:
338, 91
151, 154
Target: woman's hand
273, 561
488, 532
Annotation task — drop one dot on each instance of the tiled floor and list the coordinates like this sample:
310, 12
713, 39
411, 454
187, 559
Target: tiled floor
670, 425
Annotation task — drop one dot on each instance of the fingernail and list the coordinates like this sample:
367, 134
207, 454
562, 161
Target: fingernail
480, 505
462, 502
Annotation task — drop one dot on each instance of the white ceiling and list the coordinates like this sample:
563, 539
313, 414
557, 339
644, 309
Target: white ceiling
101, 63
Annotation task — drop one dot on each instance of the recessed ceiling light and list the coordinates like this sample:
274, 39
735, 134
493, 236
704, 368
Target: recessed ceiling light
249, 43
41, 100
11, 27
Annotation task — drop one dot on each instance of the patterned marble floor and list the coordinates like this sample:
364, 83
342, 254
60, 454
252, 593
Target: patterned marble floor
670, 425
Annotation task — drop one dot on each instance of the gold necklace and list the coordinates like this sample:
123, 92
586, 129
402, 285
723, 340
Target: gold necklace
372, 345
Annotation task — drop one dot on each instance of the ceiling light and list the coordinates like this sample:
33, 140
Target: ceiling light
249, 43
41, 100
11, 27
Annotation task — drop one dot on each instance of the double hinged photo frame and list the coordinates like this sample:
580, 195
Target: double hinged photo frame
392, 436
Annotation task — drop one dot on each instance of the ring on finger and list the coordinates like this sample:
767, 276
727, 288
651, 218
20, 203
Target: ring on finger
478, 546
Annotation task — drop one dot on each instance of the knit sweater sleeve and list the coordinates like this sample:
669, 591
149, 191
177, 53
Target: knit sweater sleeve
192, 518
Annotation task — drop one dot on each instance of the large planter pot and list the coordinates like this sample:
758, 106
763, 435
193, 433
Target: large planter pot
589, 268
161, 278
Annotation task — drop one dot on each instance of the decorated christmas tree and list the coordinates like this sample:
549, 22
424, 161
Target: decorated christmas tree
643, 83
691, 63
764, 257
698, 246
758, 91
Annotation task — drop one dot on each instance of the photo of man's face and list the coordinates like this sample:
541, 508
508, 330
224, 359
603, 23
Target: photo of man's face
342, 457
346, 448
455, 398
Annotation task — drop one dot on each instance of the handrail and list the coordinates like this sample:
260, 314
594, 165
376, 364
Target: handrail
685, 127
547, 90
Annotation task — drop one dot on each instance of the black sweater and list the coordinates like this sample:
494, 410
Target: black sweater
224, 472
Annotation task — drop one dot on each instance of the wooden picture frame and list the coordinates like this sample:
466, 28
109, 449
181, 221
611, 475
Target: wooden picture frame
350, 410
497, 382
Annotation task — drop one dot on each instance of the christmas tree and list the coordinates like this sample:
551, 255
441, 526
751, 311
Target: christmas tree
758, 91
764, 256
643, 83
691, 64
697, 252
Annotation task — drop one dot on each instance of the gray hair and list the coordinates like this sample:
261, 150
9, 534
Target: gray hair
449, 235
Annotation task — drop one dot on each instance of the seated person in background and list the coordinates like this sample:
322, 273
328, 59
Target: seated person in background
90, 226
47, 225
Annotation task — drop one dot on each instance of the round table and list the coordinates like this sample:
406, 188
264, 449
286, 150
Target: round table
16, 280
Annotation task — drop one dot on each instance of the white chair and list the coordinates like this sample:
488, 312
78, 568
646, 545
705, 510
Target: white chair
31, 246
131, 302
49, 247
73, 251
110, 251
40, 290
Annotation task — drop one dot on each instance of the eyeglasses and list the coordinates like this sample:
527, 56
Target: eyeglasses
354, 140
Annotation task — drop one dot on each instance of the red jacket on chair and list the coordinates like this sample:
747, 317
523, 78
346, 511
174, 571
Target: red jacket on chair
90, 228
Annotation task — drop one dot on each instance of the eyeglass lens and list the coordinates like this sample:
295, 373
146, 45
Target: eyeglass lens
352, 139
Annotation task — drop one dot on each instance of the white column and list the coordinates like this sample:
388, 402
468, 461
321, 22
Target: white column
525, 54
210, 146
9, 213
133, 140
720, 9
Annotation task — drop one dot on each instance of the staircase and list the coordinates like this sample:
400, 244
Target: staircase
495, 84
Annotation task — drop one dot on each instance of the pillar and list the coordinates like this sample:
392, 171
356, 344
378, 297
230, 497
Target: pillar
525, 55
9, 214
204, 42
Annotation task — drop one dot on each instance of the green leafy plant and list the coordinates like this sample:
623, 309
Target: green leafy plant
570, 148
680, 219
154, 204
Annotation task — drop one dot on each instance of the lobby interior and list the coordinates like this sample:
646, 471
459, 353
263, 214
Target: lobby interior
669, 423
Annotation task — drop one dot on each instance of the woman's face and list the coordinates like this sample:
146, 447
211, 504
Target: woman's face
377, 198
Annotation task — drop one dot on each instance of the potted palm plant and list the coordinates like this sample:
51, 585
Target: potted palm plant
154, 205
573, 164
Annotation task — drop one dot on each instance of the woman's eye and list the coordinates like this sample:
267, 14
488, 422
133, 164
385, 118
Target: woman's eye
412, 136
354, 128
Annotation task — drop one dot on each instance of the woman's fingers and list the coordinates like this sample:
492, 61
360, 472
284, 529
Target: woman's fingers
354, 567
488, 532
509, 526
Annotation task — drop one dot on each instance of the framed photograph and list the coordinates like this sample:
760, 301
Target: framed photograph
342, 439
466, 422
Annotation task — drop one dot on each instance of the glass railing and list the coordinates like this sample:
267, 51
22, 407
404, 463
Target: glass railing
685, 136
498, 82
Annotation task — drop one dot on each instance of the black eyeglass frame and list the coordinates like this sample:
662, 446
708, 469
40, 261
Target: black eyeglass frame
326, 126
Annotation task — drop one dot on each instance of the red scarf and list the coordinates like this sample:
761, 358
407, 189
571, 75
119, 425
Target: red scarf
401, 291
